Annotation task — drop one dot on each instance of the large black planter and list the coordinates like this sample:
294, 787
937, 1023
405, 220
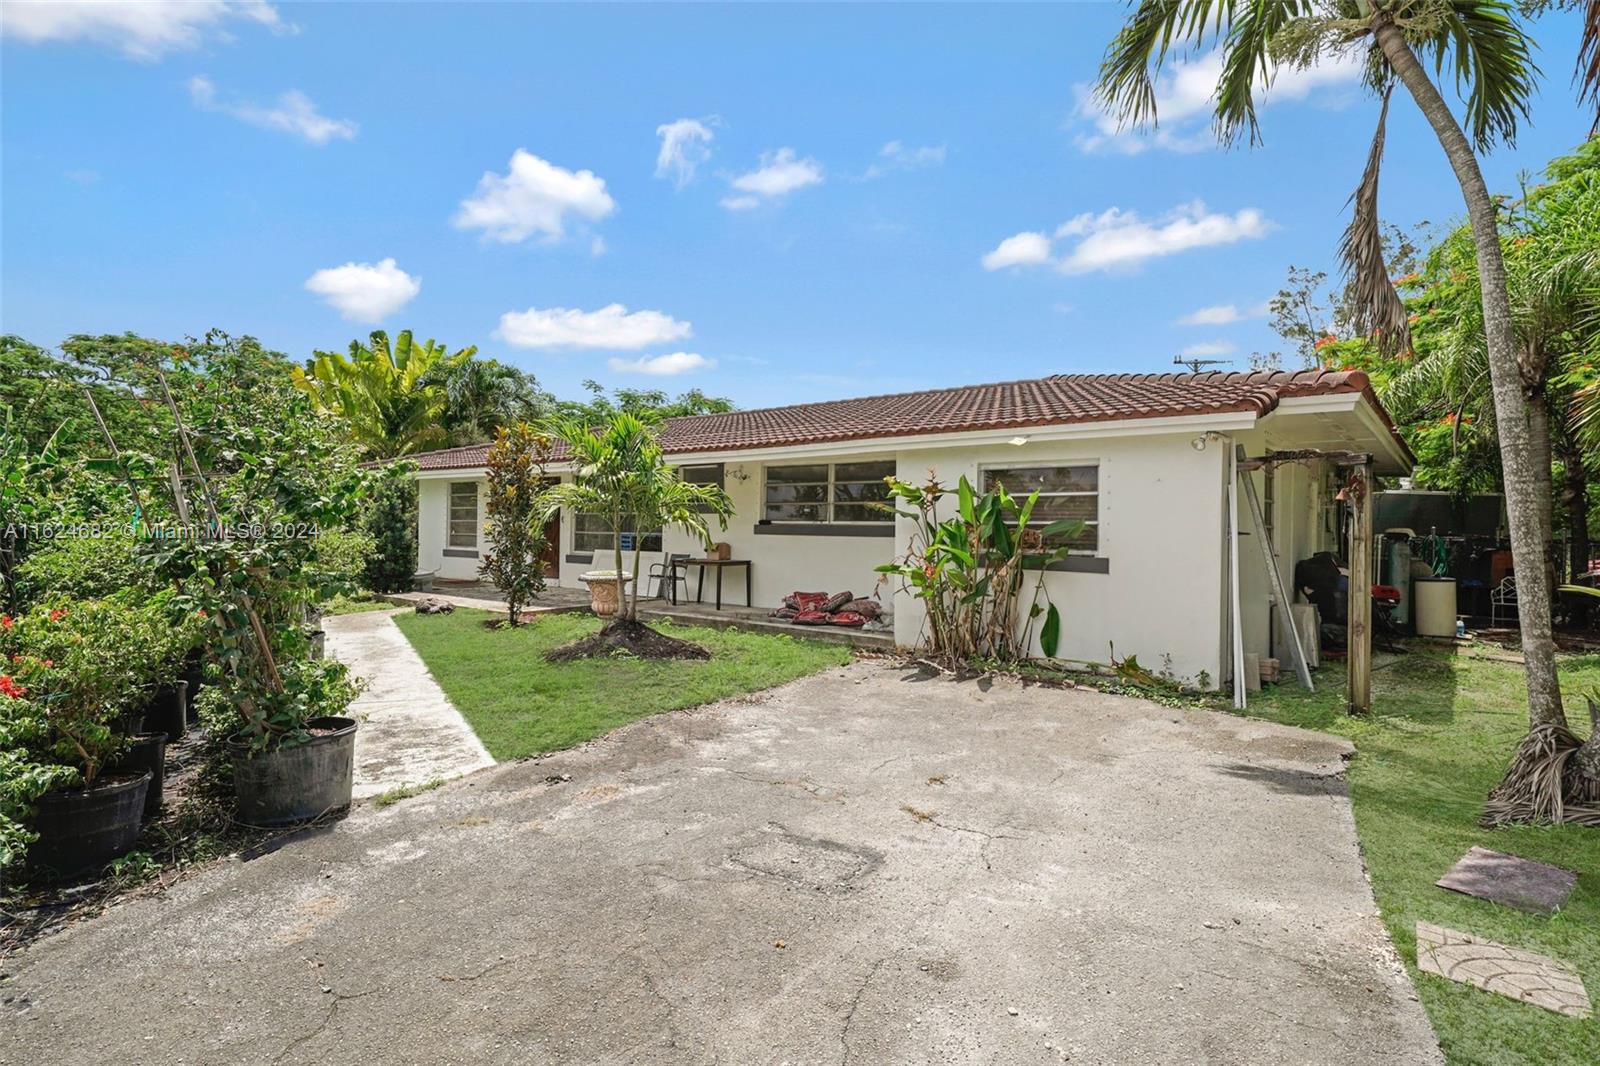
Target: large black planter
168, 711
298, 784
80, 829
147, 752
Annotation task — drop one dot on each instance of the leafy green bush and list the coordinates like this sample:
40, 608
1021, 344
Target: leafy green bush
515, 541
391, 521
84, 568
342, 555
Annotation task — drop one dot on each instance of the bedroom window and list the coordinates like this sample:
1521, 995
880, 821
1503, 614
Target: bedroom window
829, 492
593, 533
463, 529
1065, 492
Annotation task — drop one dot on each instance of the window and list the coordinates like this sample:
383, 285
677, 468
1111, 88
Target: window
593, 533
702, 474
1065, 492
463, 532
824, 492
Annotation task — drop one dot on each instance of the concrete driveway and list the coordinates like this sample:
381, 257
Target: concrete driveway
856, 868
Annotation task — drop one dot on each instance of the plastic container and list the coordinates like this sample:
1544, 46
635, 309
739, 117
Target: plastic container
1436, 606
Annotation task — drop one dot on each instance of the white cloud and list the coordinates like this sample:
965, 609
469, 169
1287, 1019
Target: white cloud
1023, 249
1208, 348
1185, 103
1220, 315
663, 365
1121, 240
365, 292
897, 156
685, 144
294, 114
613, 326
533, 197
780, 174
145, 30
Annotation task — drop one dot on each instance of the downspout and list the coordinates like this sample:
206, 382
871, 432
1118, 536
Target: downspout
1235, 622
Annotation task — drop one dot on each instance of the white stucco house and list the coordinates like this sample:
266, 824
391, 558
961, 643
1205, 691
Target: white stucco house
1145, 460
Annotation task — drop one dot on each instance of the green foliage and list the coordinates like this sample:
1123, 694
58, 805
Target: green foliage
342, 555
969, 571
621, 471
391, 398
85, 568
482, 396
277, 473
652, 406
389, 518
514, 536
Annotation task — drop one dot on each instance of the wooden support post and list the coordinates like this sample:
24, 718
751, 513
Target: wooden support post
1359, 608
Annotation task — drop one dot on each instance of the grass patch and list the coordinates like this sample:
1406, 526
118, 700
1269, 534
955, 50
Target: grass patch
520, 705
405, 792
1443, 729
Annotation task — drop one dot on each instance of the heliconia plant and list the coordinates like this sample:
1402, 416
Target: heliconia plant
971, 571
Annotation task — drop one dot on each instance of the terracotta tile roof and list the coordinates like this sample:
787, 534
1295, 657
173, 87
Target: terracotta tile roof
1059, 400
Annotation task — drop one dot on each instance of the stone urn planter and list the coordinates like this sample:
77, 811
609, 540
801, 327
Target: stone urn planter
606, 588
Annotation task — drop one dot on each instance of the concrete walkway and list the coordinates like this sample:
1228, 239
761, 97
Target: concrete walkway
863, 866
410, 731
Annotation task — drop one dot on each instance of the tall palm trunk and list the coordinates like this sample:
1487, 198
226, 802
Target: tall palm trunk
616, 548
1575, 500
1530, 530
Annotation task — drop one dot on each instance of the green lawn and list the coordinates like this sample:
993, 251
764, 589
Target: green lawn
1443, 728
521, 705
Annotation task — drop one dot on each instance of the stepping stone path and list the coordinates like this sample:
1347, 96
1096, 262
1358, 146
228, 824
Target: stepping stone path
1521, 975
1535, 887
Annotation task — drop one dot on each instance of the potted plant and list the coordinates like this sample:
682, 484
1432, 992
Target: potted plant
606, 591
267, 474
71, 671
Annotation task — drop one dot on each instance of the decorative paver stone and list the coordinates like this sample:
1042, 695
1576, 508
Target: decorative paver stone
1536, 887
1522, 975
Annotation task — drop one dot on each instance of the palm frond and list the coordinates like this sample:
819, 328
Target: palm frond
1492, 59
1379, 311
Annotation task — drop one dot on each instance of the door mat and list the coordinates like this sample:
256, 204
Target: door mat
1535, 887
1512, 972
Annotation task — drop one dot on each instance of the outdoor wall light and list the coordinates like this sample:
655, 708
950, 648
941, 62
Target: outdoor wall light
1198, 444
1018, 441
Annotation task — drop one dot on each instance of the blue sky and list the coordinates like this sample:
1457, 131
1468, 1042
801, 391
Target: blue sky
855, 199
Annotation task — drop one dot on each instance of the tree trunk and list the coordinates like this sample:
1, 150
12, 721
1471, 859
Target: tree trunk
616, 549
1575, 498
1529, 529
1543, 452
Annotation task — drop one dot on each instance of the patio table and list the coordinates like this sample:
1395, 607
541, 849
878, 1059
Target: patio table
719, 565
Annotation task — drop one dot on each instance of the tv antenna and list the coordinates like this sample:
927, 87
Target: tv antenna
1195, 365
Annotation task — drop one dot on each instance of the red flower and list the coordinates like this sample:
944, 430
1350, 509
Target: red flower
58, 614
201, 614
9, 687
1324, 341
5, 621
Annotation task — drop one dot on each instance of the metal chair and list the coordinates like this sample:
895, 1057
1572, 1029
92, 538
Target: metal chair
1502, 597
665, 573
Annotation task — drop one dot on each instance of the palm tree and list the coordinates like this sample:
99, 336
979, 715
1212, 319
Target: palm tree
389, 396
485, 395
1486, 50
622, 473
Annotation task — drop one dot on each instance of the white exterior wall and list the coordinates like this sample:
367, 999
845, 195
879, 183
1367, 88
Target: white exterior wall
1161, 532
433, 516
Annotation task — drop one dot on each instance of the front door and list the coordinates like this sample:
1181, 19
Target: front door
551, 556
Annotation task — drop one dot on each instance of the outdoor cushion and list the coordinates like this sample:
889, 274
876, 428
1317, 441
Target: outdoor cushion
868, 609
785, 613
808, 601
810, 618
846, 618
836, 602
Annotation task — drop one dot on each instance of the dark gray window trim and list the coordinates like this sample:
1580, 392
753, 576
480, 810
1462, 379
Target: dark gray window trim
826, 529
1075, 564
460, 553
579, 557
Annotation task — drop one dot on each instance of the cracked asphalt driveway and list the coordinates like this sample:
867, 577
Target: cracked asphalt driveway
858, 867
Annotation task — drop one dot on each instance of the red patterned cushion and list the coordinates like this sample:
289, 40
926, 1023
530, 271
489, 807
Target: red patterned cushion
810, 618
846, 618
837, 601
809, 601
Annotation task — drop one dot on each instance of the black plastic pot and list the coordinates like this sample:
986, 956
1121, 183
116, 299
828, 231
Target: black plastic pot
298, 784
80, 829
147, 752
168, 711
